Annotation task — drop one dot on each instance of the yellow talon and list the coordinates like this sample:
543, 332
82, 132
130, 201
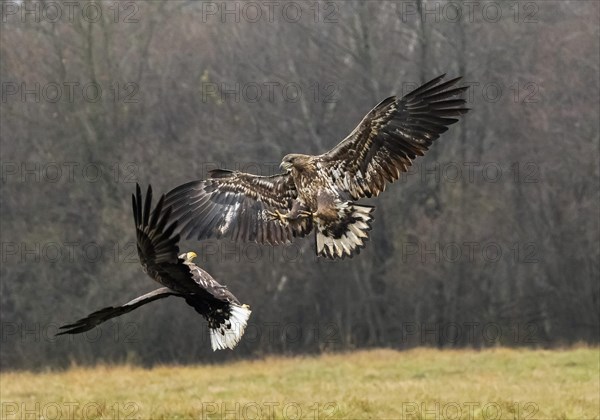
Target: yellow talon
277, 215
305, 213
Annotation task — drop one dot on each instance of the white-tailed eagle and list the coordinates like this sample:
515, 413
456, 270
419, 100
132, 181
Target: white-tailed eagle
158, 249
320, 192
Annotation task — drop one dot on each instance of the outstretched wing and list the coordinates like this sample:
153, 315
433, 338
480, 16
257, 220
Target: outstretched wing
158, 244
231, 204
391, 135
98, 317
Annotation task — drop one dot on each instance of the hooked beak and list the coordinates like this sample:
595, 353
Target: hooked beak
285, 166
191, 255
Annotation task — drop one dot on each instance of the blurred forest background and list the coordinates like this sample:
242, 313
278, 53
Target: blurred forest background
492, 239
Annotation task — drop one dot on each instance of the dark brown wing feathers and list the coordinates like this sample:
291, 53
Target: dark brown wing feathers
233, 205
156, 244
391, 135
102, 315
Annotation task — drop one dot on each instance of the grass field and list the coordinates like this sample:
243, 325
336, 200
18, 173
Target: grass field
416, 384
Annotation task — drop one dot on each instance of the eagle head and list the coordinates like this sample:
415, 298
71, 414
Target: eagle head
293, 160
188, 256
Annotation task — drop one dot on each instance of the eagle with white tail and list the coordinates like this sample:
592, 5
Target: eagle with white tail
158, 249
320, 192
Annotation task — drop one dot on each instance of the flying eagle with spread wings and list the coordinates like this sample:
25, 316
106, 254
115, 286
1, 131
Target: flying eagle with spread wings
320, 192
158, 250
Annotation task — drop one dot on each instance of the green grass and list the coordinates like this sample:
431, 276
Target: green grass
416, 384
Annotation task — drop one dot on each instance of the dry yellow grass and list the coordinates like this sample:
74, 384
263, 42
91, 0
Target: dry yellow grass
416, 384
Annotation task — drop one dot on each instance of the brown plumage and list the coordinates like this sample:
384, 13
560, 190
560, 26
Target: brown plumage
315, 191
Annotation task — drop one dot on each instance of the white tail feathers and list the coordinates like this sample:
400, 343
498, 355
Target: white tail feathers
346, 236
229, 333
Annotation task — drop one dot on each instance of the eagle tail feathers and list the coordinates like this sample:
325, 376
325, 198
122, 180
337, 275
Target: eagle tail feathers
347, 236
226, 333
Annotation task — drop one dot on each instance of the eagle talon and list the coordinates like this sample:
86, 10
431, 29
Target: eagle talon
305, 213
277, 215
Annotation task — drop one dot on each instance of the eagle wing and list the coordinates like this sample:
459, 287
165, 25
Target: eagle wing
235, 205
157, 244
390, 136
102, 315
210, 292
227, 319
